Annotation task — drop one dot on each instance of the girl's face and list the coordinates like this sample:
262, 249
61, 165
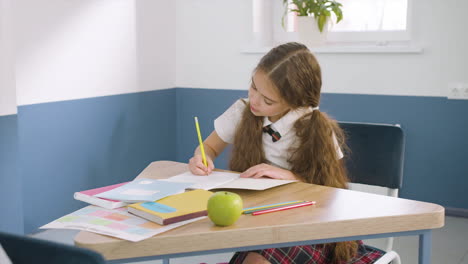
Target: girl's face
264, 98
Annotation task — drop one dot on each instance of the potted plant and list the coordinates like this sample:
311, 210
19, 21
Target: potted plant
313, 17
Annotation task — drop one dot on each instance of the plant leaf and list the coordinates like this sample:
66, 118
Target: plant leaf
338, 13
286, 7
321, 22
320, 9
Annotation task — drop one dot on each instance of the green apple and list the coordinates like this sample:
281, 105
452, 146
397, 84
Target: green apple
224, 208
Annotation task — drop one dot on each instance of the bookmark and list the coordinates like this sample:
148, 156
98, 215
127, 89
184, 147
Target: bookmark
157, 207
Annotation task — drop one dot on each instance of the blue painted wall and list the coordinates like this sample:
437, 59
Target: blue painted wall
11, 204
207, 105
435, 128
75, 145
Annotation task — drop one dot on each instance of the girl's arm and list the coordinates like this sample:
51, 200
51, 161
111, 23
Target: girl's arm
213, 146
269, 171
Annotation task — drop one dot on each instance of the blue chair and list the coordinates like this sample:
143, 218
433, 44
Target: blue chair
376, 158
24, 249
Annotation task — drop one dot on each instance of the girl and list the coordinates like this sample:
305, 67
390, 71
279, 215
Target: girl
280, 133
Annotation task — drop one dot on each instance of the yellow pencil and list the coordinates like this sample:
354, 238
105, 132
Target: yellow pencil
201, 142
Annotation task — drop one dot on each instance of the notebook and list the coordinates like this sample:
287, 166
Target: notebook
174, 208
227, 180
144, 190
88, 197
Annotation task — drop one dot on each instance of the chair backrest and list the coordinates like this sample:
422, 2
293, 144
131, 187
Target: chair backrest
376, 158
24, 249
377, 153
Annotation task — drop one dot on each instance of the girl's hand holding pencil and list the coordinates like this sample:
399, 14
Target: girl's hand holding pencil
200, 164
197, 167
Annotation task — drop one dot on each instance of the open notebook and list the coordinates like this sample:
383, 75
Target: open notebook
226, 180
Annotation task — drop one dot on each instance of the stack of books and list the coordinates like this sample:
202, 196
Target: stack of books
88, 196
181, 197
122, 194
174, 208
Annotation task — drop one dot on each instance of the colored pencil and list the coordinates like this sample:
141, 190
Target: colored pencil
268, 206
287, 207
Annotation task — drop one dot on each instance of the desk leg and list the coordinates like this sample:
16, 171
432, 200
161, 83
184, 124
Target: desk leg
165, 261
425, 247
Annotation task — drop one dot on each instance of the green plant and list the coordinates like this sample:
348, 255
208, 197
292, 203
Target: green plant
319, 9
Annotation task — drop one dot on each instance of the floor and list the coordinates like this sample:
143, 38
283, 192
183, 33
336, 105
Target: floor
449, 245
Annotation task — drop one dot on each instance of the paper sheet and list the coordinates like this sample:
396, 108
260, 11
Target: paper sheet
254, 184
116, 223
144, 190
226, 180
215, 179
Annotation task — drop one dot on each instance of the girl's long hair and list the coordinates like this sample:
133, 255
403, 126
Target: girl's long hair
296, 74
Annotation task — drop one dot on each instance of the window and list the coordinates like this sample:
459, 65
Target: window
365, 22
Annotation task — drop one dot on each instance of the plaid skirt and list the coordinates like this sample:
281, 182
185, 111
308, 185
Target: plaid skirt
309, 254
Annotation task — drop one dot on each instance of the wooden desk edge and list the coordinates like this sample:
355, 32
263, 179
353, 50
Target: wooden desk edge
114, 248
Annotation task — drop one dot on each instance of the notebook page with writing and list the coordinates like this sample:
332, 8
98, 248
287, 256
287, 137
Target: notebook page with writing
254, 184
205, 182
226, 180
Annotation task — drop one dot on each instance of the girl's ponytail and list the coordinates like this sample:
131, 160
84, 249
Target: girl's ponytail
248, 146
341, 252
316, 159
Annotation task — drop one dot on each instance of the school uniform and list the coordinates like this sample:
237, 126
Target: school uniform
276, 152
277, 143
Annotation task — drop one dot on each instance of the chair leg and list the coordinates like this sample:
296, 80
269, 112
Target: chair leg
391, 256
397, 259
392, 192
389, 246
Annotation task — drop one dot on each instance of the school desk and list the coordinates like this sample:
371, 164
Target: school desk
339, 215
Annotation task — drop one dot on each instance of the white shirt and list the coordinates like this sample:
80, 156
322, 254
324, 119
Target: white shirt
276, 153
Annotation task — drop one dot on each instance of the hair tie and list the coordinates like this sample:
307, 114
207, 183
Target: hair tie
315, 108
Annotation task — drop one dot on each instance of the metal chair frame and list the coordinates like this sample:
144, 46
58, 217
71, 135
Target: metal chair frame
376, 158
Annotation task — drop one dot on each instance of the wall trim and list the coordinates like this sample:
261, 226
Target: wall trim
8, 114
458, 212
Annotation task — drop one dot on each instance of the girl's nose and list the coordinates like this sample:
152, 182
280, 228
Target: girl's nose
254, 99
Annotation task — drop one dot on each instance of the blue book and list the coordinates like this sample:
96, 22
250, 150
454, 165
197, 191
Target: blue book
144, 190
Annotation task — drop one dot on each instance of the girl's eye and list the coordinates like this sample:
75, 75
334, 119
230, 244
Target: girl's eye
268, 103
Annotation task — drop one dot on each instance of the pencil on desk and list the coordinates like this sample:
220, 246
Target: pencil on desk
287, 207
202, 149
250, 210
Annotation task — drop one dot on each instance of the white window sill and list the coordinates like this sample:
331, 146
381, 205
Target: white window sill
337, 49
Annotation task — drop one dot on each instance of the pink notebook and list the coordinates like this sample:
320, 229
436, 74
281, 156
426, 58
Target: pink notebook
88, 197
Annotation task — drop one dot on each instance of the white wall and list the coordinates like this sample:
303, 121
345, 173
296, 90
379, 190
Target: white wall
210, 36
211, 33
7, 79
79, 49
156, 49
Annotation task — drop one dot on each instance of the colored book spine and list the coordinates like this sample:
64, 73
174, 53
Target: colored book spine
88, 197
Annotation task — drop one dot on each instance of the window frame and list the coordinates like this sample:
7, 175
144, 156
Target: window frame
337, 42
